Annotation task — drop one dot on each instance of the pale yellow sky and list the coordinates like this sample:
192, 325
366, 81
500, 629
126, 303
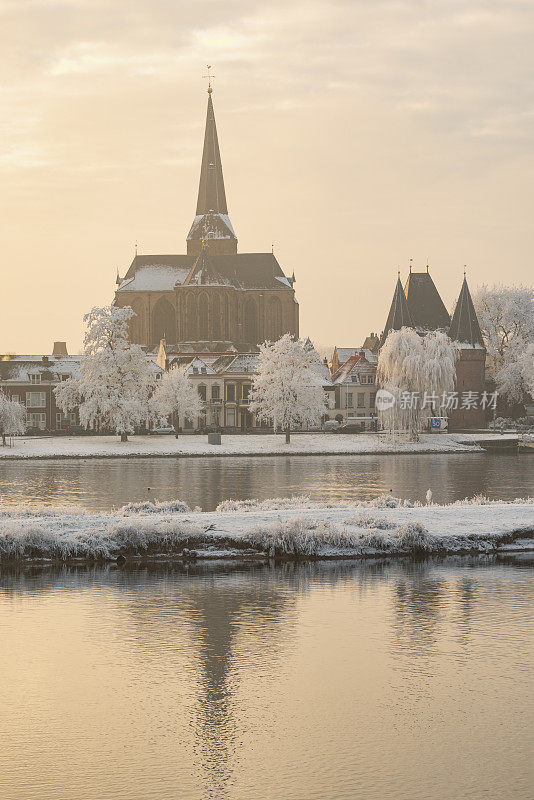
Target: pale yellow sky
355, 135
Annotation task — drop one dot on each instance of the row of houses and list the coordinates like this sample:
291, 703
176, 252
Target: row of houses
224, 382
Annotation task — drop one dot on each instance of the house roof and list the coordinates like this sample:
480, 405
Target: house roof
425, 305
344, 353
18, 368
464, 325
356, 364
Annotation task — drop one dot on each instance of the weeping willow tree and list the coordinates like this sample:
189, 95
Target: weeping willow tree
419, 371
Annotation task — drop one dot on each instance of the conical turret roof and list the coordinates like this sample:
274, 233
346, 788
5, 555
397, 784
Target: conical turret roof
399, 314
464, 325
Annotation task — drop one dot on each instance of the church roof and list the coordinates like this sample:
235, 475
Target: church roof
204, 272
399, 314
426, 307
464, 325
240, 270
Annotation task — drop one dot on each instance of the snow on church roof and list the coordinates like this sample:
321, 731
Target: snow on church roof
240, 270
153, 278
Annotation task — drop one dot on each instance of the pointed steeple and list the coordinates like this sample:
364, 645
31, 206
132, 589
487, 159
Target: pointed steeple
464, 325
399, 315
211, 221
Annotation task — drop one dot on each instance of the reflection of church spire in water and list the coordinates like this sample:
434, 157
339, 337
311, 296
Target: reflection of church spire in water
218, 611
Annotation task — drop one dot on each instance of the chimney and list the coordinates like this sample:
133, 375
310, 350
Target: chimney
60, 349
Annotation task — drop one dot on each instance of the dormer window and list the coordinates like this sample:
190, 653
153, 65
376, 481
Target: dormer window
35, 377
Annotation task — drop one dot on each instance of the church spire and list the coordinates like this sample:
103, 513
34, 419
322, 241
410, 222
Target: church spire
211, 194
211, 222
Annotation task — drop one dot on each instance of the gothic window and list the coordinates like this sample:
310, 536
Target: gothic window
163, 322
251, 322
136, 323
203, 323
274, 319
191, 328
216, 318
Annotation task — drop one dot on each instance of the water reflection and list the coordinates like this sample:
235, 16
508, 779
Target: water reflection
205, 482
377, 679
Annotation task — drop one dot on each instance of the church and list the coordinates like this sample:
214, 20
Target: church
212, 298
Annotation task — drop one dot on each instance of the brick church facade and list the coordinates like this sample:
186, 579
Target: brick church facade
212, 298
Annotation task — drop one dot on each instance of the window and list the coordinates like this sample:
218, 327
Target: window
215, 392
230, 392
361, 399
202, 392
15, 398
349, 400
372, 399
230, 416
63, 376
354, 378
35, 378
246, 391
64, 421
35, 400
37, 421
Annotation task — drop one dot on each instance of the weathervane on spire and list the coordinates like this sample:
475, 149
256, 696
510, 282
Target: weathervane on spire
209, 76
465, 269
411, 261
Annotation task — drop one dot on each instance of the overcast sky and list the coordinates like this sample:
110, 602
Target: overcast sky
354, 135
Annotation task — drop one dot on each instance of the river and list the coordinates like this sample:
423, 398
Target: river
325, 681
101, 484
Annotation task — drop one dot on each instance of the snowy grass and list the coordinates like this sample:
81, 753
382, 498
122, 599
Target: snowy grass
279, 528
235, 445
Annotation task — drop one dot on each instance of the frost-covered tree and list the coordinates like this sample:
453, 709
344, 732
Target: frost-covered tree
527, 368
116, 381
12, 417
506, 318
176, 395
288, 387
419, 371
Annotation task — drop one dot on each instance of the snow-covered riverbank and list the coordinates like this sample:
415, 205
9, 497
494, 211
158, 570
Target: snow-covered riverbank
284, 528
233, 445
